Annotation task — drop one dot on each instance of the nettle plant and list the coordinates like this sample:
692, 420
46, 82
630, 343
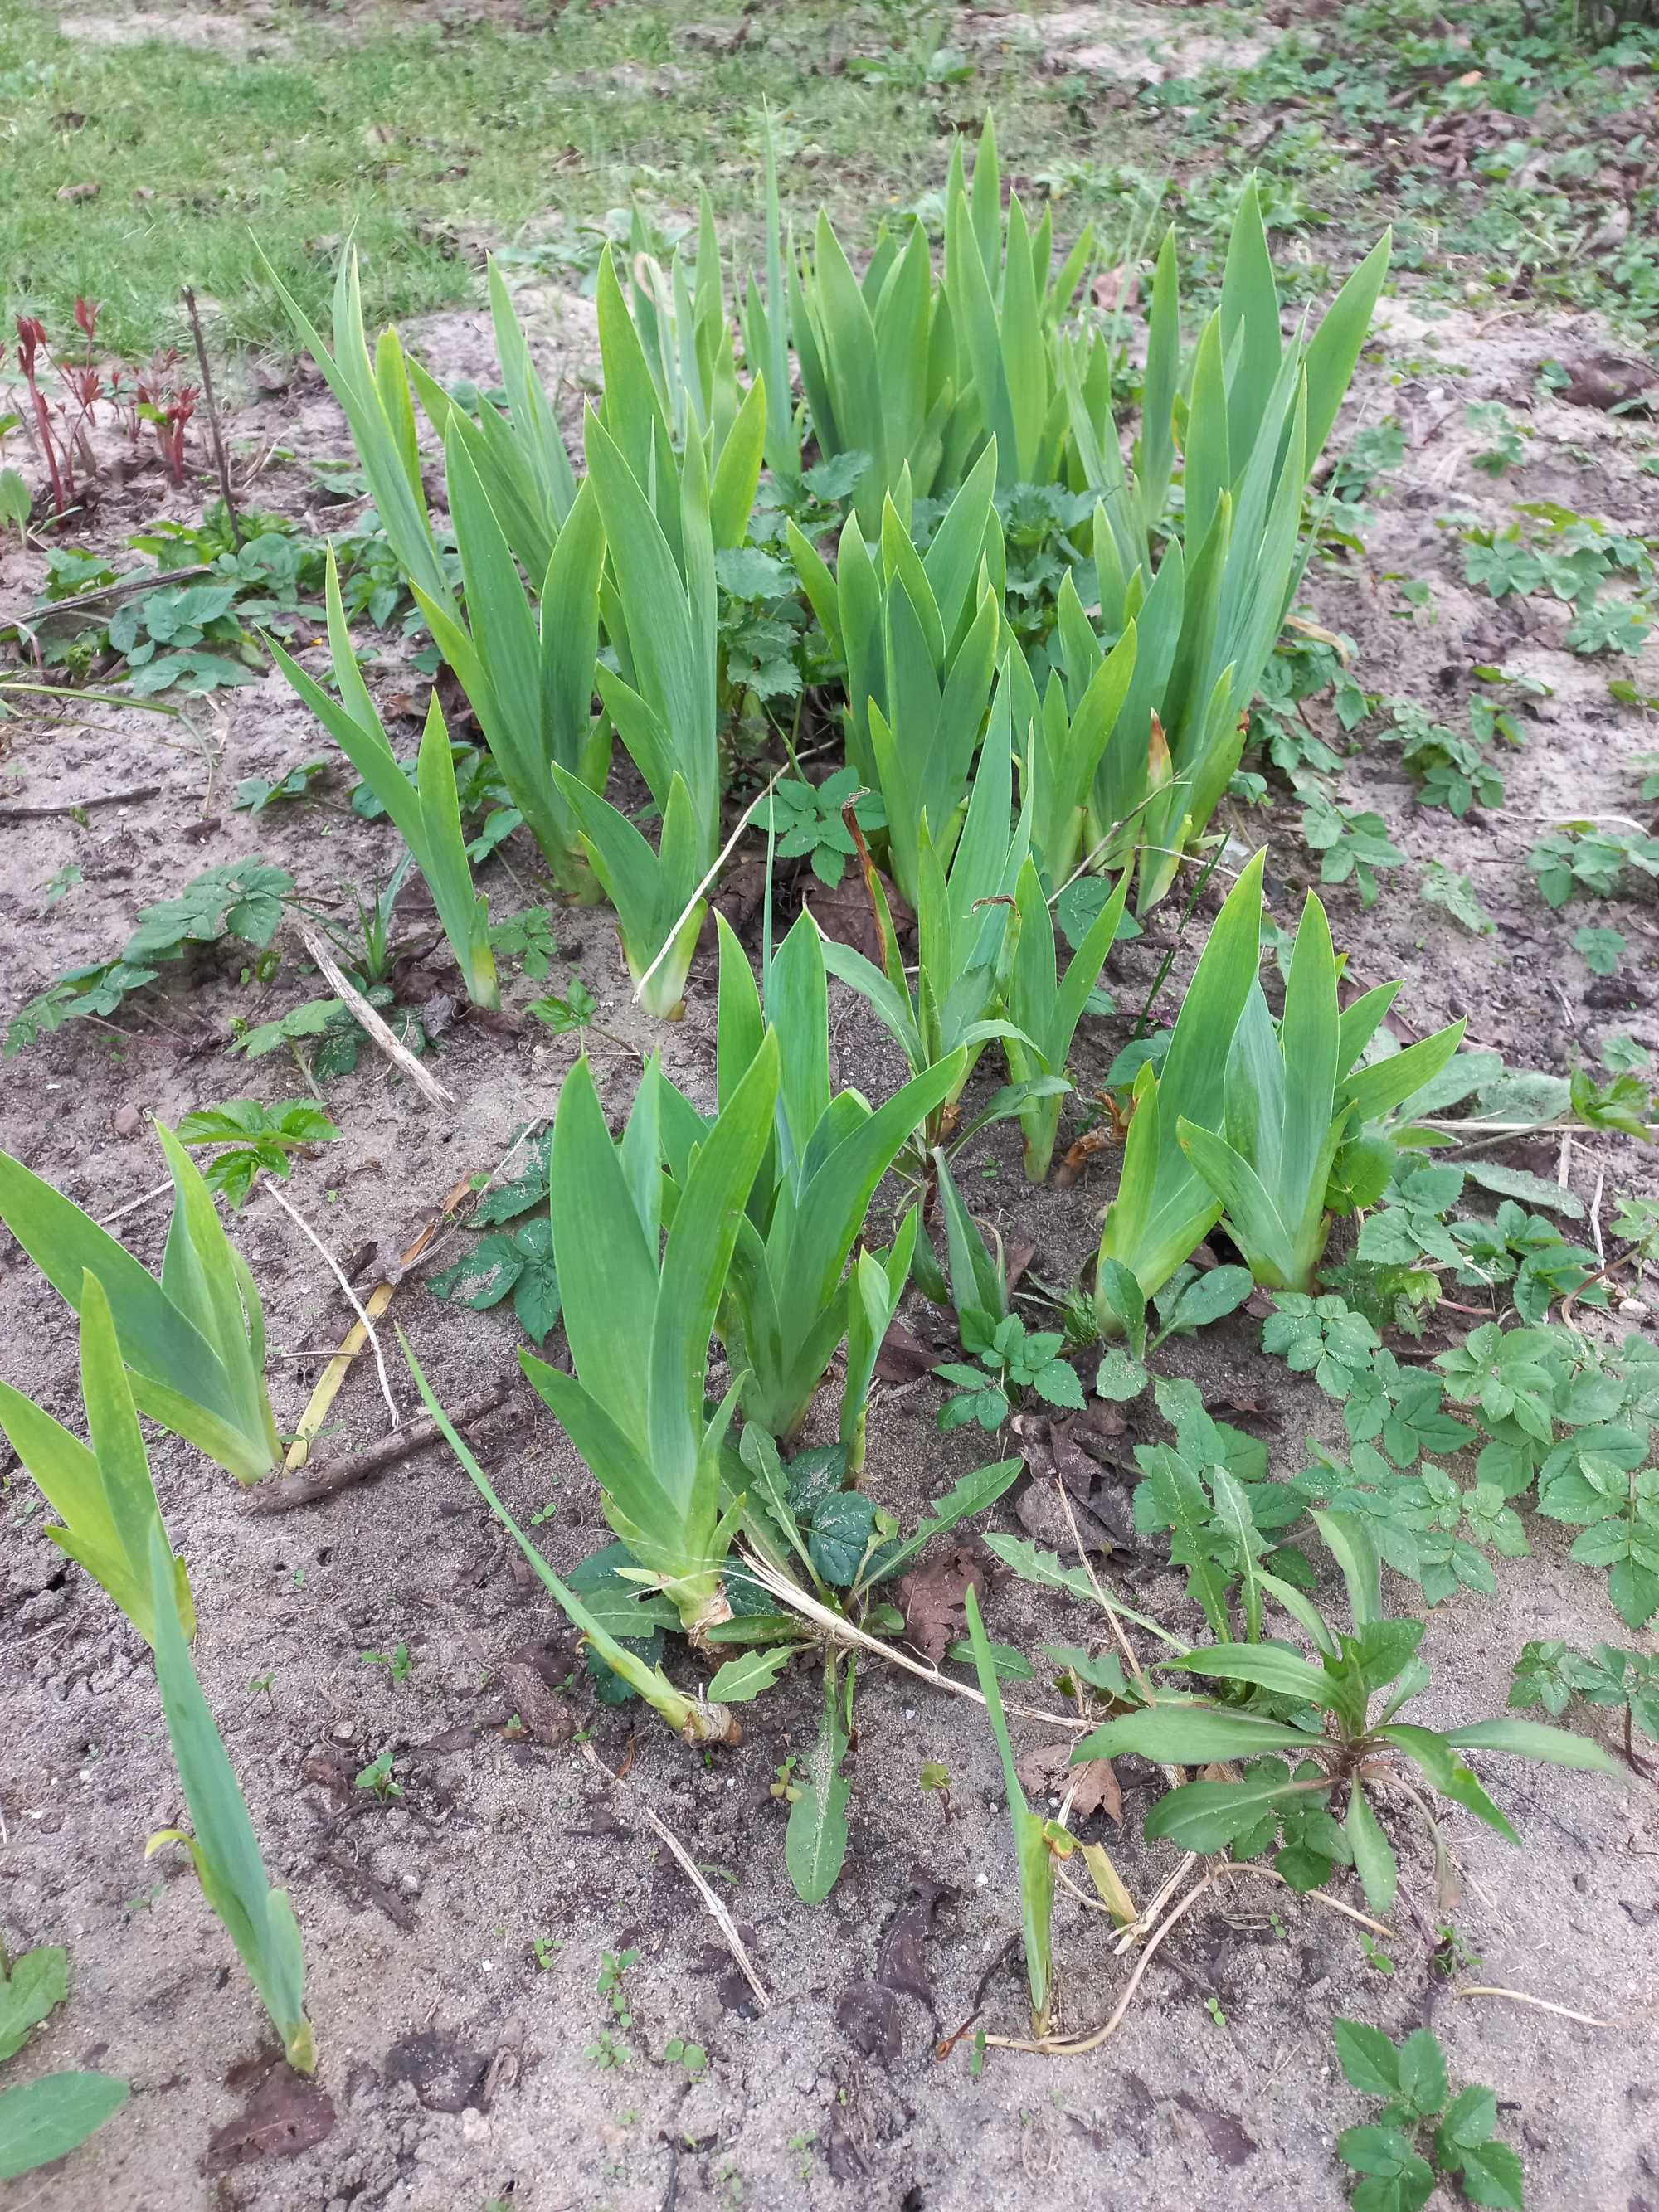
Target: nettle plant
1309, 1732
243, 901
1552, 1673
1465, 2150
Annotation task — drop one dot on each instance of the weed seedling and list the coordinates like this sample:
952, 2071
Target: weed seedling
936, 1781
399, 1664
377, 1776
1452, 1954
1410, 2078
607, 2049
1376, 1957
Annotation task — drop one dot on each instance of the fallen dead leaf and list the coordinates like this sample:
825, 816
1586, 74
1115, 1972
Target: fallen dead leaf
1047, 1771
1037, 1509
867, 2015
902, 1965
285, 2115
844, 914
1607, 380
545, 1718
933, 1599
903, 1357
1117, 287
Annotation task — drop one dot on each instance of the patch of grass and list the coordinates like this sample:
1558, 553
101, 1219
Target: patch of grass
433, 142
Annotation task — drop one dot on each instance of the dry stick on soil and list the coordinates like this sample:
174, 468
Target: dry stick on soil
717, 1912
1118, 1629
1543, 2005
842, 1631
147, 1198
77, 805
328, 1383
331, 1476
398, 1054
219, 461
140, 579
1126, 1938
339, 1274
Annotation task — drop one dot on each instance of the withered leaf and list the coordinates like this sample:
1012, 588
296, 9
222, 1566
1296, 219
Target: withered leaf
933, 1599
1047, 1771
1230, 2140
284, 2116
1607, 380
1039, 1512
903, 1357
902, 1963
444, 2070
844, 914
546, 1717
868, 2016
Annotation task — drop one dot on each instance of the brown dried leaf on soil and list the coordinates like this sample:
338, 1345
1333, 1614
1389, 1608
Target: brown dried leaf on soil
867, 2015
1047, 1771
844, 914
545, 1717
284, 2115
903, 1357
1607, 380
933, 1599
1040, 1514
904, 1963
1080, 1453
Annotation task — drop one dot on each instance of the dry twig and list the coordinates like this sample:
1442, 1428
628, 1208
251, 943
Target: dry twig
329, 1477
400, 1054
339, 1274
717, 1912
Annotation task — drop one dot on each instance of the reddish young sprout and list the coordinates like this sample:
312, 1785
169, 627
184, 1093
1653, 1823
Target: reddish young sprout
86, 315
31, 338
167, 406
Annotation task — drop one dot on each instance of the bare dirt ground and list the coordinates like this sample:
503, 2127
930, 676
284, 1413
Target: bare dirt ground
455, 2070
